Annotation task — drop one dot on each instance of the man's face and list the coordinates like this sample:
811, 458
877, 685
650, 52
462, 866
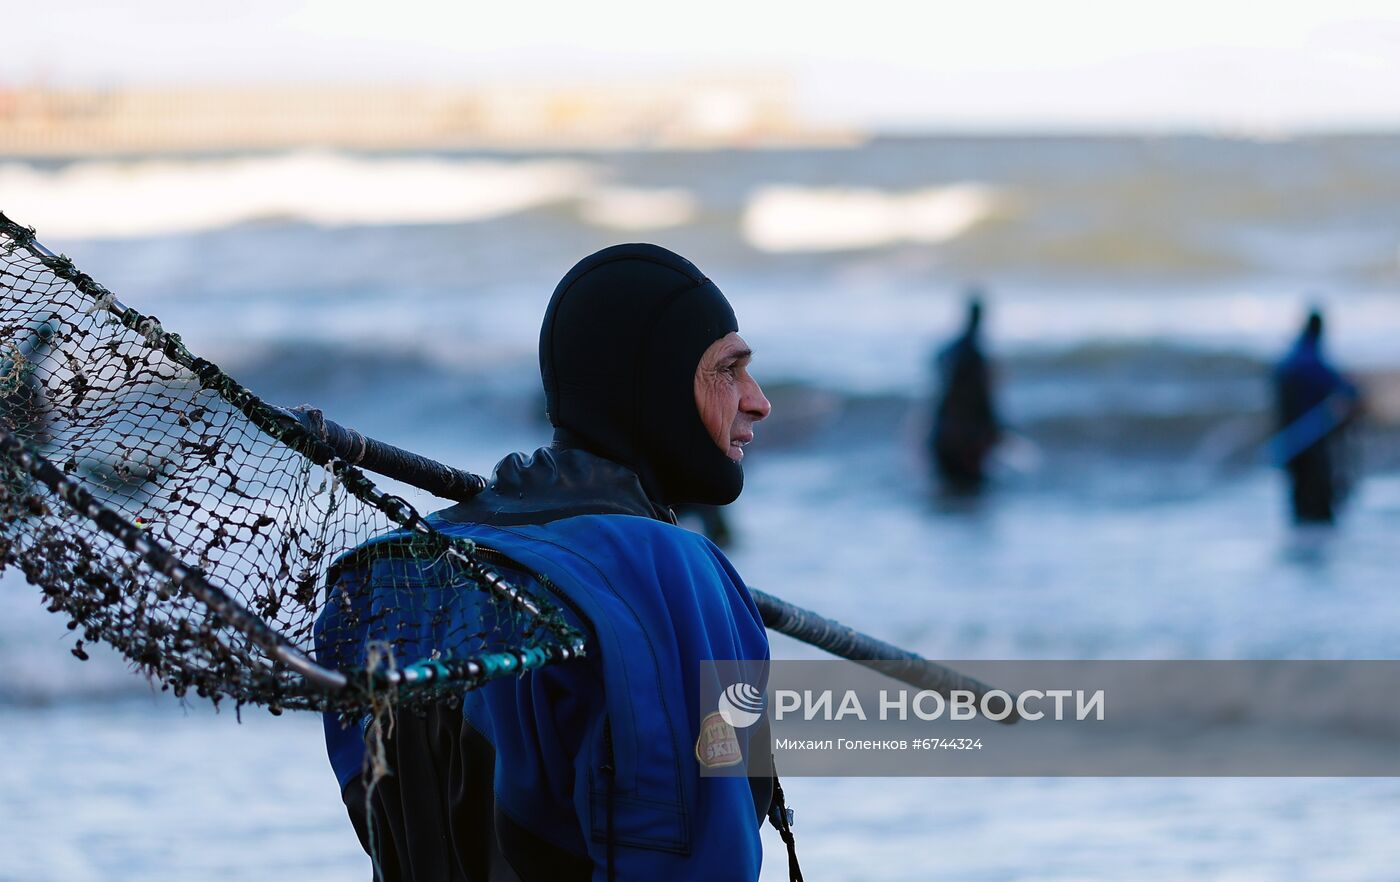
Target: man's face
729, 400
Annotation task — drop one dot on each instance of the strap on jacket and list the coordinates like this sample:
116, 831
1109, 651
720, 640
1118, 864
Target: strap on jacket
780, 816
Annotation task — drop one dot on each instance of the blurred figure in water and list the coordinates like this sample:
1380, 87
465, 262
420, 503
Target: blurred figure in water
713, 523
1316, 404
965, 427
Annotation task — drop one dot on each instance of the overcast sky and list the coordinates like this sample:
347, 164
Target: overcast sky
872, 63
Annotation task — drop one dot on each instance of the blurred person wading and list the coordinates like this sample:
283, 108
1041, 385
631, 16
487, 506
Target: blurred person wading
1315, 405
965, 426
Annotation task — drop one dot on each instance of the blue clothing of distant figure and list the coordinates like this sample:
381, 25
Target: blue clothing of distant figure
585, 768
1314, 401
1305, 379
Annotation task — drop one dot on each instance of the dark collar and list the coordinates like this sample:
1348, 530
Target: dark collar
552, 484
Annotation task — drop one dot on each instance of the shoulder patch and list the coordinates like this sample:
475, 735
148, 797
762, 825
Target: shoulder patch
718, 746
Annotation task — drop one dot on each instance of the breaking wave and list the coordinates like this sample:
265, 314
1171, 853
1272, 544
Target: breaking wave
631, 208
784, 218
123, 199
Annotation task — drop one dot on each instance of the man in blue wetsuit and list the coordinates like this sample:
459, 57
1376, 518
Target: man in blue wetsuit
1315, 403
591, 769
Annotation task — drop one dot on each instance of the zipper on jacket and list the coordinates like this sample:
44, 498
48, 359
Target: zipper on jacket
610, 770
500, 557
609, 767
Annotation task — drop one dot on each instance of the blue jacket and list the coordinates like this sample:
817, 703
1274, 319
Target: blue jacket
1304, 379
594, 760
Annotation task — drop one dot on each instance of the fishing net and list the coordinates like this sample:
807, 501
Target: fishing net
169, 512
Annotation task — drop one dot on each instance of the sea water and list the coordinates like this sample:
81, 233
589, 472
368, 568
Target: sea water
1137, 290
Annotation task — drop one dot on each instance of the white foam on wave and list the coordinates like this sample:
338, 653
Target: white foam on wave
786, 218
113, 199
632, 208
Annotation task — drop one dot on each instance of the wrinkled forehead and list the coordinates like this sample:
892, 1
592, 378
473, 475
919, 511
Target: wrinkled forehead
729, 346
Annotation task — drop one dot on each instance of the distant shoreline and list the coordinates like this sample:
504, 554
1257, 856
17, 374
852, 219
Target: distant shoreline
687, 115
676, 116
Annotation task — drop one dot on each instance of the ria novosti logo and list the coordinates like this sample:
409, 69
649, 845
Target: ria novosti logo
741, 705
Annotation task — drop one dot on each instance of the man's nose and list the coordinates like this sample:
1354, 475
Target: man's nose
754, 403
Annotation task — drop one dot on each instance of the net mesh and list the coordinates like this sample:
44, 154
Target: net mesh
169, 512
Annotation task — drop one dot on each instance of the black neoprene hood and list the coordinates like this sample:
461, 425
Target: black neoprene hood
619, 345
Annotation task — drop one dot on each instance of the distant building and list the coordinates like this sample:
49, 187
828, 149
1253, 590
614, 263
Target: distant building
679, 113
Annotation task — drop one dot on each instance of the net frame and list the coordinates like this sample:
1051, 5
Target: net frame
292, 678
